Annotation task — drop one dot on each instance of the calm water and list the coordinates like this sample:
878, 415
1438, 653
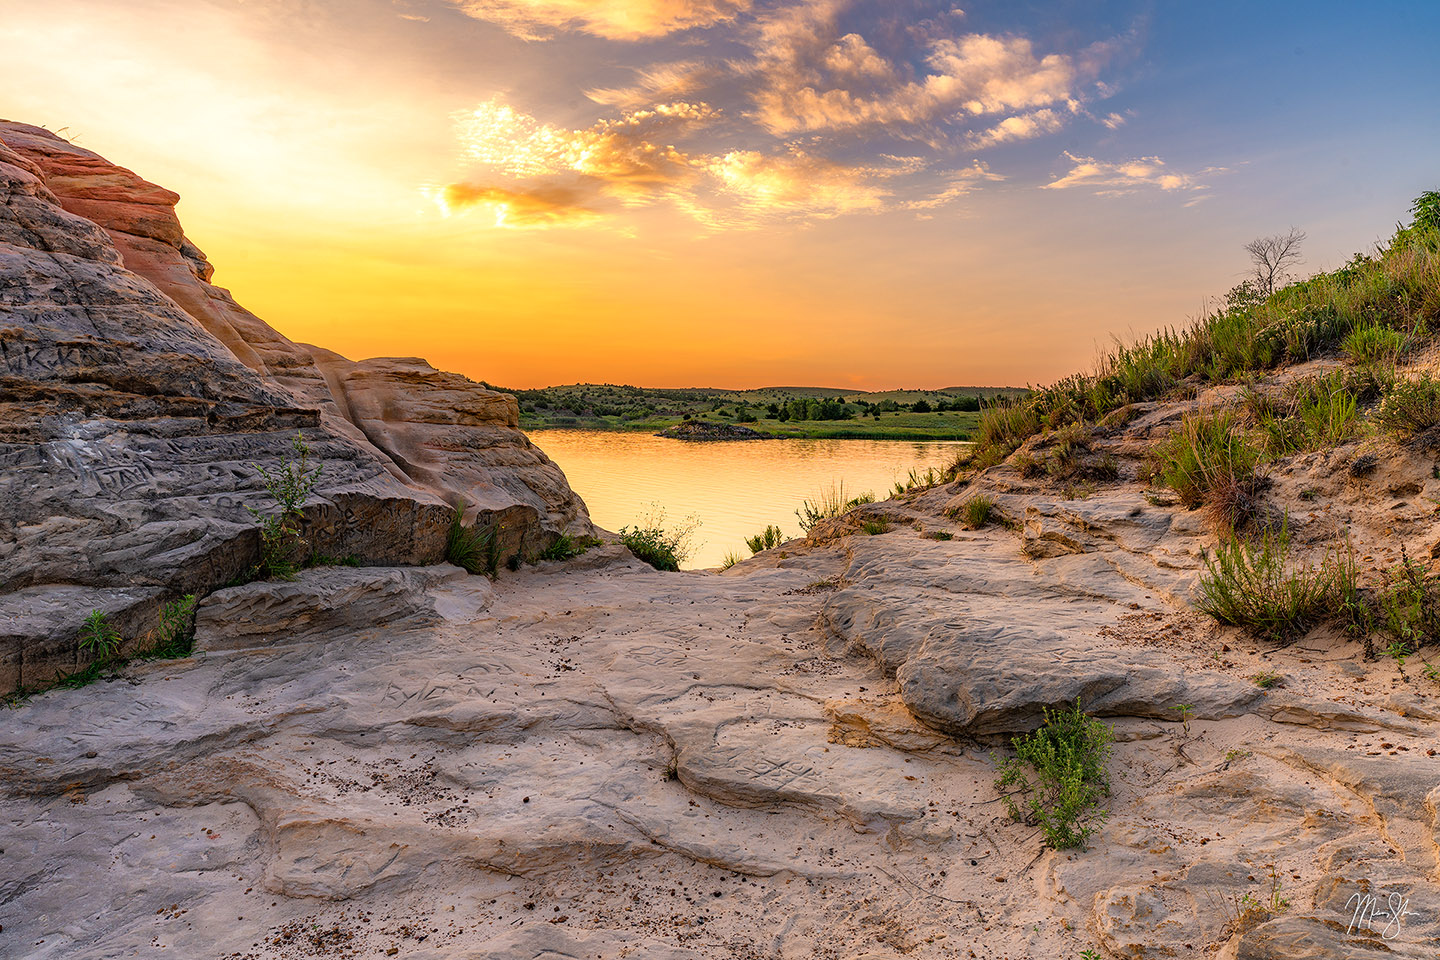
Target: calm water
734, 488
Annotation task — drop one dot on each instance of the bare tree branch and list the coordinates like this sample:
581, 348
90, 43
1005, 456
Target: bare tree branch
1272, 257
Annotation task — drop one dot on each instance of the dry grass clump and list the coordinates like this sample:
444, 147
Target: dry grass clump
1210, 462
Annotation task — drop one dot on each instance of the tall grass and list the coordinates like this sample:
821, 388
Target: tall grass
1209, 461
474, 549
1254, 584
831, 502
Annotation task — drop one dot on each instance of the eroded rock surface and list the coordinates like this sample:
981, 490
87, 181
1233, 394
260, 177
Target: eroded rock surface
137, 398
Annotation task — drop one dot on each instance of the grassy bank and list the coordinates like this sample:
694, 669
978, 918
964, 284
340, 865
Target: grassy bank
894, 426
806, 412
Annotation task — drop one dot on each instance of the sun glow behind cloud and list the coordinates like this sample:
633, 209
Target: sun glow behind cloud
679, 191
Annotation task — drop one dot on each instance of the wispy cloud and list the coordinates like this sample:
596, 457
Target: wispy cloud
1126, 177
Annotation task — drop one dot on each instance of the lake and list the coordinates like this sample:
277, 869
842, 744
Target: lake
733, 488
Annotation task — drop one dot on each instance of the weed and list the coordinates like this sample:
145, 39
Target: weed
766, 539
1411, 407
1059, 774
731, 558
1373, 343
1187, 712
175, 636
1233, 756
875, 527
289, 486
1266, 679
1409, 602
98, 637
567, 547
941, 535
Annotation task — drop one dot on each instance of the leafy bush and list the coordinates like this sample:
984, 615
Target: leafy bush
474, 549
1411, 407
652, 543
767, 539
828, 504
98, 637
289, 487
1059, 774
1210, 462
1253, 584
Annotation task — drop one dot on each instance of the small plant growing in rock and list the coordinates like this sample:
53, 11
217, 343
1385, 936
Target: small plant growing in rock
766, 539
731, 558
567, 547
1266, 679
175, 637
1186, 712
474, 549
975, 512
290, 486
874, 527
98, 637
1058, 773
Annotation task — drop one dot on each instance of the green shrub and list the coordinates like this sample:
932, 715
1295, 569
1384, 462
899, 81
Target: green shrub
1411, 407
474, 549
1253, 584
1058, 773
828, 504
874, 527
1209, 462
98, 637
290, 486
731, 558
1373, 343
766, 539
652, 543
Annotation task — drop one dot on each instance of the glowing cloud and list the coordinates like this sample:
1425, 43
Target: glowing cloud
611, 19
1126, 177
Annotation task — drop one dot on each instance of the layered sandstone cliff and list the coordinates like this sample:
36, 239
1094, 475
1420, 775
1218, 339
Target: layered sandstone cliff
137, 399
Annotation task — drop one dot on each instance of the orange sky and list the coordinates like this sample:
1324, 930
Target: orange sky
681, 192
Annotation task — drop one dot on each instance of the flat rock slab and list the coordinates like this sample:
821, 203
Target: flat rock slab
329, 603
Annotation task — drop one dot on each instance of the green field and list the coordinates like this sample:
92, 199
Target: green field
845, 414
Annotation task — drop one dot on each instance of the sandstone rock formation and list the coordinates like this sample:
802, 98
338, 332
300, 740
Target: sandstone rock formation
136, 399
791, 759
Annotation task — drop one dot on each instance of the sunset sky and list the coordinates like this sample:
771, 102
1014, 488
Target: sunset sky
742, 192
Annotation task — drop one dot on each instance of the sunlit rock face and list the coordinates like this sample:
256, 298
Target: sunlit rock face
137, 400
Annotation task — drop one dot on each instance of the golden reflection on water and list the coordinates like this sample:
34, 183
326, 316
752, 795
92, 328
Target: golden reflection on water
734, 488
